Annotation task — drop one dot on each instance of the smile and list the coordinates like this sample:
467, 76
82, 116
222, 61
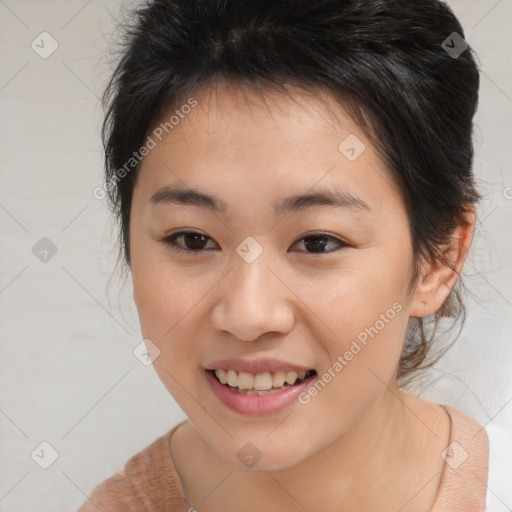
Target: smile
261, 393
261, 384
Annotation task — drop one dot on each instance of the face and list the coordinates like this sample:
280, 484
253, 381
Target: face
266, 286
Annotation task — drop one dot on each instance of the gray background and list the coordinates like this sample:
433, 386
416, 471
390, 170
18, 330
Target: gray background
68, 327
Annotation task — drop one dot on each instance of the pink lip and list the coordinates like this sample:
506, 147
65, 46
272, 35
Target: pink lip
246, 404
255, 366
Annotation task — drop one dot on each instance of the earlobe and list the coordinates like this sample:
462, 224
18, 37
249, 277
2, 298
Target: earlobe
439, 277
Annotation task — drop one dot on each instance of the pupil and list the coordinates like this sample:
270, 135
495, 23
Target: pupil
198, 237
313, 245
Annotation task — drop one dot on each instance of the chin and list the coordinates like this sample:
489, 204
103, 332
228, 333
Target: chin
260, 455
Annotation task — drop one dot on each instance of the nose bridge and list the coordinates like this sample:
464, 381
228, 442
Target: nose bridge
251, 277
253, 300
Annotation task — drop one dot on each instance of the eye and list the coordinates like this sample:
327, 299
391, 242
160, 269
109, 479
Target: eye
316, 243
194, 242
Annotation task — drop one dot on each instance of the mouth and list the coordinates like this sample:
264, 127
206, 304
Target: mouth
260, 384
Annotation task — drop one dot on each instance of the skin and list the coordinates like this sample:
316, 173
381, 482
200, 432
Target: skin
361, 443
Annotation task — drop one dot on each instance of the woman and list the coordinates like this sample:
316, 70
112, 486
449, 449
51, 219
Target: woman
295, 195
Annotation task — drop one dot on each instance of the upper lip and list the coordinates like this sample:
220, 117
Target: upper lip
256, 365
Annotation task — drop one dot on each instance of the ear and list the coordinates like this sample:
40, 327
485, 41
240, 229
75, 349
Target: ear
438, 278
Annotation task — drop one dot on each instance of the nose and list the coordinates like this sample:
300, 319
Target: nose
253, 300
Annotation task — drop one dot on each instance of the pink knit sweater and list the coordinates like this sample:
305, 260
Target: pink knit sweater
149, 481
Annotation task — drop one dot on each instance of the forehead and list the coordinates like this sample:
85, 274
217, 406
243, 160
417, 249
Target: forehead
252, 144
222, 110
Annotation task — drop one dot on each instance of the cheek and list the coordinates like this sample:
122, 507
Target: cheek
365, 315
364, 351
367, 326
361, 362
163, 293
365, 300
164, 310
161, 299
163, 305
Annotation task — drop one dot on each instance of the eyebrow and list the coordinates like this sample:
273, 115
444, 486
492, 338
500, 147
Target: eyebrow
325, 197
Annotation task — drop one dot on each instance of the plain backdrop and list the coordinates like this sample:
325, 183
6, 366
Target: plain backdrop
68, 327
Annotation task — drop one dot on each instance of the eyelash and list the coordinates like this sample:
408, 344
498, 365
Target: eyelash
170, 241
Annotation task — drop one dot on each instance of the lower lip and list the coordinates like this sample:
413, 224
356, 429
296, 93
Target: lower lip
254, 404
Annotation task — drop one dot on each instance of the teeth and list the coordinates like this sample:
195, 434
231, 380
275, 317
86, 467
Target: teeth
246, 381
232, 378
255, 392
291, 377
262, 383
222, 375
278, 379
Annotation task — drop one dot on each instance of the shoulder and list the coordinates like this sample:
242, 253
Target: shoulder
464, 481
469, 444
115, 494
147, 481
